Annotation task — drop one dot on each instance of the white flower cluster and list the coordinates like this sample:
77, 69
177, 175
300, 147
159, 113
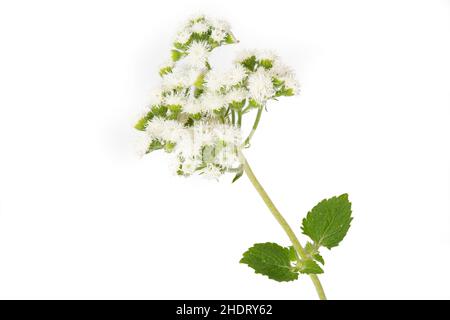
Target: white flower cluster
197, 112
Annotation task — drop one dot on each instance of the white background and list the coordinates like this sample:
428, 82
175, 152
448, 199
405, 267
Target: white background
81, 216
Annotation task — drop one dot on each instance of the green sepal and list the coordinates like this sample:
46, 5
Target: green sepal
159, 111
155, 145
169, 146
174, 107
142, 123
180, 46
200, 81
229, 39
249, 63
176, 55
266, 63
253, 104
165, 70
287, 92
198, 92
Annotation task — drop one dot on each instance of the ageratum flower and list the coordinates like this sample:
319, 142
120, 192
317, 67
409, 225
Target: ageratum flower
197, 113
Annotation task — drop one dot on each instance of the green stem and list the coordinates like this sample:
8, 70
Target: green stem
239, 119
255, 126
283, 223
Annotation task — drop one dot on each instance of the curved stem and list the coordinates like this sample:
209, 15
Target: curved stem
255, 126
283, 223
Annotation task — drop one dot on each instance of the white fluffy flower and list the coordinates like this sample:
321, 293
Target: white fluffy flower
142, 143
199, 27
166, 130
171, 81
236, 95
190, 164
219, 24
218, 35
183, 36
244, 55
215, 80
290, 81
236, 74
279, 69
203, 134
182, 75
228, 157
155, 97
266, 55
192, 106
211, 171
167, 64
212, 101
198, 53
260, 85
227, 133
174, 99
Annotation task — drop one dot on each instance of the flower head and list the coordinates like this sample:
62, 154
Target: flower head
196, 114
260, 86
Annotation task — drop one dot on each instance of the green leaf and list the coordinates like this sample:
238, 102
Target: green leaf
271, 260
293, 254
319, 258
310, 267
328, 222
313, 251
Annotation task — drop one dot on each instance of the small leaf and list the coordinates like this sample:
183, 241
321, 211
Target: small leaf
328, 222
313, 251
271, 260
293, 254
310, 267
319, 258
237, 176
